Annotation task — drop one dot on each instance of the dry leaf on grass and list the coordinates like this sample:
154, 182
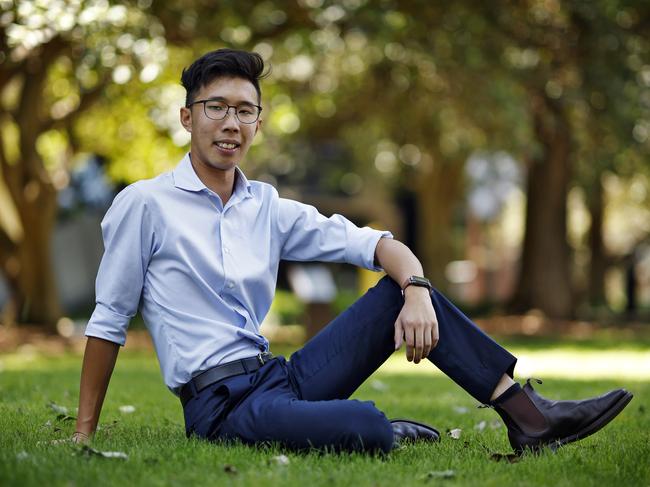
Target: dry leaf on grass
439, 474
127, 409
22, 455
480, 426
62, 410
455, 433
495, 424
90, 452
282, 460
230, 469
379, 386
60, 441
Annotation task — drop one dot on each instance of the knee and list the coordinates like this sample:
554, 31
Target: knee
371, 431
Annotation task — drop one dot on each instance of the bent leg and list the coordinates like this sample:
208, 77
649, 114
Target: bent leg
334, 363
344, 354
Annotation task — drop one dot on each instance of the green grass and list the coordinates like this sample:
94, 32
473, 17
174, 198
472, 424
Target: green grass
159, 454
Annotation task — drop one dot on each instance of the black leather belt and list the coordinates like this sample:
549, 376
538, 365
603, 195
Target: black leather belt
221, 372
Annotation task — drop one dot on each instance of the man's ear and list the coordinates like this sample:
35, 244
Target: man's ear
186, 118
258, 125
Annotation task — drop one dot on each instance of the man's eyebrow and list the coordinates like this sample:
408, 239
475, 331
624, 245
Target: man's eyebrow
240, 102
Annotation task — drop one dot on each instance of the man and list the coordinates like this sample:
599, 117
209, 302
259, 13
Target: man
198, 249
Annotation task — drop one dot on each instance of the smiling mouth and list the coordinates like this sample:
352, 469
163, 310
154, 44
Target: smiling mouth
226, 145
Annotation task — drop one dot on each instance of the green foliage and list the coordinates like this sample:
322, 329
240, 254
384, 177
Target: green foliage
289, 309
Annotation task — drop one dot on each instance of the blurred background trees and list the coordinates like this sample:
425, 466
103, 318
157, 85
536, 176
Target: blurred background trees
442, 122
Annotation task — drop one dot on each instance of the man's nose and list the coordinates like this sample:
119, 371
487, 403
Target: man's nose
230, 121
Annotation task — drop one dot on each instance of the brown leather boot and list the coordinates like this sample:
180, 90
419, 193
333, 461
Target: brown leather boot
562, 422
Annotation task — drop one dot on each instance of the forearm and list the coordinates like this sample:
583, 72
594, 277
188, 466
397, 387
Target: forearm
98, 363
397, 260
416, 324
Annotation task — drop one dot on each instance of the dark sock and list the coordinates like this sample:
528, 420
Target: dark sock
509, 392
516, 403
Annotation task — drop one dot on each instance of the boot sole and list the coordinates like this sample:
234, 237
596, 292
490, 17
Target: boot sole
592, 428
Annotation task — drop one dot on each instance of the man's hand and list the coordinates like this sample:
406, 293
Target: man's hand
80, 438
417, 324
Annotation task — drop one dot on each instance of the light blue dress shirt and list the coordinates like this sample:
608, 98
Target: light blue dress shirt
204, 274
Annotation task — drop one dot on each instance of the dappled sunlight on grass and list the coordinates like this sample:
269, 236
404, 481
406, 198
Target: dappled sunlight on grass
555, 362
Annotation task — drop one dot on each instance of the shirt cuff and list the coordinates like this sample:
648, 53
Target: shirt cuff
108, 325
361, 252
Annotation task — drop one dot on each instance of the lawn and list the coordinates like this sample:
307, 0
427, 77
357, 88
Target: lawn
152, 435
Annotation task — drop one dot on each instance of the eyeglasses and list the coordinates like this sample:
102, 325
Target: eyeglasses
218, 110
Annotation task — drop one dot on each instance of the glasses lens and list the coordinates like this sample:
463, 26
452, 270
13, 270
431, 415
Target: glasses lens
216, 110
247, 113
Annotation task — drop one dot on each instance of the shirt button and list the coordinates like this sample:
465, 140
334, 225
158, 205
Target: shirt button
226, 250
231, 285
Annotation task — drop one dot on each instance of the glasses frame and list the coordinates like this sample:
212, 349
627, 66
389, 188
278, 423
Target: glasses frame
234, 107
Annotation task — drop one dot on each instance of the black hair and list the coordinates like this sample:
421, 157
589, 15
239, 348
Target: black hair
230, 63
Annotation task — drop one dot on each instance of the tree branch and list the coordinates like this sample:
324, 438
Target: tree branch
29, 108
87, 99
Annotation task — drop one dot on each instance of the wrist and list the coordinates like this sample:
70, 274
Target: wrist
416, 292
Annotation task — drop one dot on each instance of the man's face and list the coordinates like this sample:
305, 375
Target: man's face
213, 140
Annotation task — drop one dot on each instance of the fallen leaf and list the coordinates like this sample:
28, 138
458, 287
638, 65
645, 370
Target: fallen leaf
58, 409
495, 424
461, 409
379, 385
508, 457
281, 460
107, 427
65, 417
455, 433
59, 441
480, 426
88, 451
230, 469
22, 455
438, 474
127, 409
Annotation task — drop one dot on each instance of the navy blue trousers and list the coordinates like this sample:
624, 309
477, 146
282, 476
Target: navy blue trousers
303, 403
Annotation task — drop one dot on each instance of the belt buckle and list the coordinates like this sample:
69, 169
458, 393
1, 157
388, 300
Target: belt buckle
260, 359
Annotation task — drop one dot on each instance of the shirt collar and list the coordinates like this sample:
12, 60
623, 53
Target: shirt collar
185, 178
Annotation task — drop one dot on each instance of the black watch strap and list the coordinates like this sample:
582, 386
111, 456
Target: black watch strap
417, 281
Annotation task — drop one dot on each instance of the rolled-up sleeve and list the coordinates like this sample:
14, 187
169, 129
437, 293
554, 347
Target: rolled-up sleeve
308, 235
128, 236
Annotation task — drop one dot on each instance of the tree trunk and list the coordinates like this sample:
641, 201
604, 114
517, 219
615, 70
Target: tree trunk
598, 260
438, 190
28, 266
545, 277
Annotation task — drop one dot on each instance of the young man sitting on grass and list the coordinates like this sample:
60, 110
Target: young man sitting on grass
198, 250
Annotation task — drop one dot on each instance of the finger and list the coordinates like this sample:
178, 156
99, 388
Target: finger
428, 339
435, 336
399, 335
410, 344
419, 344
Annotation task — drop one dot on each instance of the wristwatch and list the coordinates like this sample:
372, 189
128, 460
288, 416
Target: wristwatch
417, 281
